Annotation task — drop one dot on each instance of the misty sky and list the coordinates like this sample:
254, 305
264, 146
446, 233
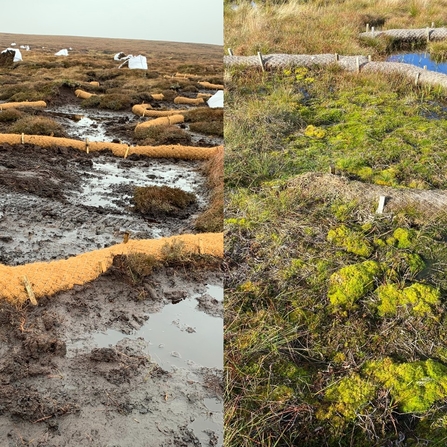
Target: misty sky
198, 21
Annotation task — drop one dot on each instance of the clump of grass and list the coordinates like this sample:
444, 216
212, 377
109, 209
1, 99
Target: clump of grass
35, 125
438, 51
91, 102
109, 101
200, 114
162, 200
175, 254
30, 91
205, 120
115, 101
154, 135
208, 128
138, 265
9, 115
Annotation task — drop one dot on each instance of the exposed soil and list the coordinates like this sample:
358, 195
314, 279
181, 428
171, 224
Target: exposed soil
58, 202
55, 391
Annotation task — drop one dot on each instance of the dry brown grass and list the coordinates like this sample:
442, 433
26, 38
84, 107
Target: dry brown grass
212, 219
161, 200
155, 135
323, 26
36, 125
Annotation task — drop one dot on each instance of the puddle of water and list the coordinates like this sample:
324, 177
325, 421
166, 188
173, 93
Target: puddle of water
93, 123
107, 172
178, 336
419, 60
212, 421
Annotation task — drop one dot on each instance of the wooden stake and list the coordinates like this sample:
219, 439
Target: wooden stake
29, 291
428, 34
126, 237
23, 138
417, 79
200, 246
337, 57
367, 27
127, 151
372, 29
432, 24
382, 200
102, 266
230, 52
425, 67
369, 58
332, 169
86, 146
261, 61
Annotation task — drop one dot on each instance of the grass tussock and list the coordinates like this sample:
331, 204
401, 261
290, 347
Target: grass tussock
9, 115
156, 135
208, 128
205, 120
137, 265
35, 125
162, 200
175, 255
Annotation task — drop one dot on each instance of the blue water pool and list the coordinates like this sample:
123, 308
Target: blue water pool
420, 60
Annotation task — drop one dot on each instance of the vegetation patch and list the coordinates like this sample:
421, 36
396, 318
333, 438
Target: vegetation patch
155, 135
162, 200
415, 386
352, 282
9, 115
352, 241
212, 219
420, 298
35, 125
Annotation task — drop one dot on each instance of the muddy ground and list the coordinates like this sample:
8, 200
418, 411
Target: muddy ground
57, 391
125, 360
59, 202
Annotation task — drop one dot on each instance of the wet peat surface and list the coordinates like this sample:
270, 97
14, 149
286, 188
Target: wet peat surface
59, 202
115, 362
99, 365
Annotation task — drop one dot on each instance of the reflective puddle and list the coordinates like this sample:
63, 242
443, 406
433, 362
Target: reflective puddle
419, 60
109, 173
179, 336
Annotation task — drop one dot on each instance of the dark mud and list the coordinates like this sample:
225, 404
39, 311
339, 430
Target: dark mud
60, 387
59, 202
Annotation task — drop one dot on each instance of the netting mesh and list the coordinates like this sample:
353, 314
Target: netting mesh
162, 121
410, 34
351, 63
48, 278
